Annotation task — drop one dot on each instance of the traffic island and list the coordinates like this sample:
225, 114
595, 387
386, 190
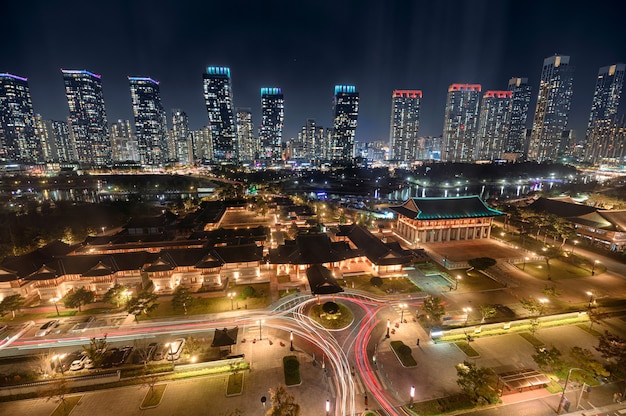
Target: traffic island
291, 369
403, 353
153, 396
66, 406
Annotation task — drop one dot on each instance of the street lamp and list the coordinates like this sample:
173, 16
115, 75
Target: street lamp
402, 306
525, 260
590, 299
56, 306
562, 401
542, 302
467, 311
456, 286
593, 267
388, 326
231, 295
327, 407
261, 328
412, 396
291, 341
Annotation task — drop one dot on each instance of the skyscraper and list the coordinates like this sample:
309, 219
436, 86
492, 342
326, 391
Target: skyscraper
405, 121
181, 137
124, 143
150, 121
18, 140
493, 127
218, 95
520, 101
248, 144
460, 123
272, 121
601, 128
552, 111
346, 113
88, 120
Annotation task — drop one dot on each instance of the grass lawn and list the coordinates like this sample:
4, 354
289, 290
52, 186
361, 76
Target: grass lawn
291, 370
390, 285
559, 270
467, 349
592, 331
153, 396
64, 409
235, 384
339, 320
475, 281
531, 338
404, 354
283, 279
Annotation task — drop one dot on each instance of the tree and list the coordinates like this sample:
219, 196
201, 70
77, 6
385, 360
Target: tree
96, 349
78, 298
283, 403
548, 359
475, 382
584, 359
533, 306
549, 253
487, 311
117, 295
57, 391
612, 348
192, 346
481, 263
11, 304
182, 298
44, 363
248, 292
142, 304
434, 308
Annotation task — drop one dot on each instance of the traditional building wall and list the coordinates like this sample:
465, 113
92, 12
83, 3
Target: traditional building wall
437, 231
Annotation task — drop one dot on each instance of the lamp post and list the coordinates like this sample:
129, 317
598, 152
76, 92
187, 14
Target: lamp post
231, 296
291, 341
456, 286
261, 329
467, 311
327, 407
56, 306
402, 306
590, 299
569, 373
593, 267
412, 393
388, 326
525, 260
542, 302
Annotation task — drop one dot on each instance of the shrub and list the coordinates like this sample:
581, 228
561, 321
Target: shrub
330, 308
248, 292
376, 281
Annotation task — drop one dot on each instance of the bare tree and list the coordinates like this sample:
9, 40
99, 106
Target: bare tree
44, 363
57, 391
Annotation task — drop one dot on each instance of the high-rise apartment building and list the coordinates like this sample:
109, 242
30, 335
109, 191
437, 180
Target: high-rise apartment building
552, 111
272, 122
125, 147
202, 144
493, 126
218, 95
18, 140
60, 140
601, 128
460, 123
248, 144
520, 102
345, 116
88, 121
180, 137
405, 121
150, 121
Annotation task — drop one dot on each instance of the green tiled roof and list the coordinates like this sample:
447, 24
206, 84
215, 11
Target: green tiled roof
445, 208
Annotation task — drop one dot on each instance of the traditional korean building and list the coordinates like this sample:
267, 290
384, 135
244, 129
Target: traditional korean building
436, 220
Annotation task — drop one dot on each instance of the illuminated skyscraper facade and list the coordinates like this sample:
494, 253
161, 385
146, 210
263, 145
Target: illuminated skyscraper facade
272, 123
248, 144
602, 127
180, 137
218, 96
150, 121
460, 123
88, 121
345, 116
493, 126
552, 111
124, 142
18, 141
405, 121
520, 102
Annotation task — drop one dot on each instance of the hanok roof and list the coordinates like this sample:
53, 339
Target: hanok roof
322, 281
225, 337
445, 208
99, 269
7, 275
374, 249
160, 265
29, 263
562, 207
243, 253
616, 217
314, 248
43, 273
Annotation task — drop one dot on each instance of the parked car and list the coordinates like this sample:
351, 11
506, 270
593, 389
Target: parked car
46, 328
107, 362
175, 348
79, 363
159, 352
89, 364
122, 355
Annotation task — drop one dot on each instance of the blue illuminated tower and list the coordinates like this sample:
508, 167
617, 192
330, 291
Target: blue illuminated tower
218, 95
150, 121
88, 121
345, 115
272, 121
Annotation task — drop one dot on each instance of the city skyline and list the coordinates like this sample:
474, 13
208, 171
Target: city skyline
388, 49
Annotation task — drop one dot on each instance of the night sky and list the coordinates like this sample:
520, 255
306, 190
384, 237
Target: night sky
306, 47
